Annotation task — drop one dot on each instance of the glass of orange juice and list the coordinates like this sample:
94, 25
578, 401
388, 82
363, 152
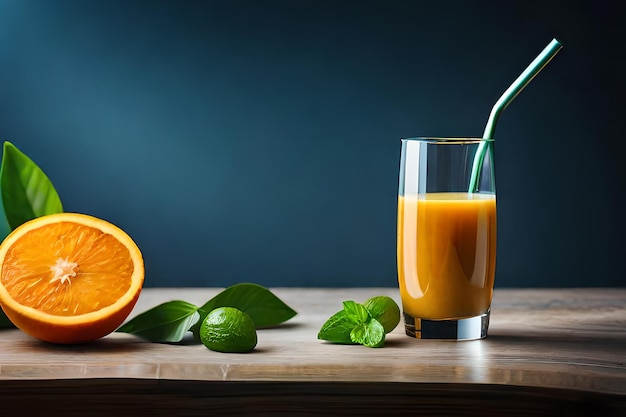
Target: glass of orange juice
446, 237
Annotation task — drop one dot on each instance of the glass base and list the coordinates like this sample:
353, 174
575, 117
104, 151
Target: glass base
471, 328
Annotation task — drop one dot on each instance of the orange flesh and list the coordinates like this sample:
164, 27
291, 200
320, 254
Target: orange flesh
67, 269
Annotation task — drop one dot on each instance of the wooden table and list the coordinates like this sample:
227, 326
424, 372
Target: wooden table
549, 352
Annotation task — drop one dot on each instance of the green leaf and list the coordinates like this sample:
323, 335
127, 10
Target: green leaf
26, 191
5, 229
265, 309
338, 327
385, 310
165, 323
368, 331
370, 334
357, 311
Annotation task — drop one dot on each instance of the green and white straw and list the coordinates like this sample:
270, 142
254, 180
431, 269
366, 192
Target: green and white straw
507, 97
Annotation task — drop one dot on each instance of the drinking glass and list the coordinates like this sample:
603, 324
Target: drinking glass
446, 237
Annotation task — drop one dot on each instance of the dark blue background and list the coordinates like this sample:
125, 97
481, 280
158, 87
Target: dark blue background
260, 140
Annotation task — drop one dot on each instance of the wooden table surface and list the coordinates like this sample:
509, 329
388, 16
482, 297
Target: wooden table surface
549, 352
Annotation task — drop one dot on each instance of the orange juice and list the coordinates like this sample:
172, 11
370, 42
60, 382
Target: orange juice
446, 254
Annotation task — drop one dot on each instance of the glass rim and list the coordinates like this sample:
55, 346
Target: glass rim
446, 140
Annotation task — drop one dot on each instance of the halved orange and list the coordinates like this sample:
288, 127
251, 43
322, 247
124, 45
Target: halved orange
69, 278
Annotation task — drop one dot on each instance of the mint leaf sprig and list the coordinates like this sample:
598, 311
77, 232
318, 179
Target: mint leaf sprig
169, 322
363, 324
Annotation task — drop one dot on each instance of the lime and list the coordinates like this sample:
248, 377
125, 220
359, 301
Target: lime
227, 329
385, 310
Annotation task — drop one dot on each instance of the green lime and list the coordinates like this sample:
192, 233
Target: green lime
227, 329
385, 310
